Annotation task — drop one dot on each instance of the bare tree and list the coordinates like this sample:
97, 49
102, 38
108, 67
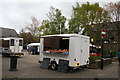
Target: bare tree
33, 27
114, 13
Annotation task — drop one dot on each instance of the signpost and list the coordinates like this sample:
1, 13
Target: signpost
103, 35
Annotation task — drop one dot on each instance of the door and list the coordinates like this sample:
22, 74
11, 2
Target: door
16, 49
85, 51
74, 51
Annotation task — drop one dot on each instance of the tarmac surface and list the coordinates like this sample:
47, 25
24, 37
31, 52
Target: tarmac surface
28, 67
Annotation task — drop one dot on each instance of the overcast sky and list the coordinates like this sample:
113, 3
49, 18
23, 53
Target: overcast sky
16, 14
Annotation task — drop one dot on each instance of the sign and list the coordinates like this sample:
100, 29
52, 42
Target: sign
103, 33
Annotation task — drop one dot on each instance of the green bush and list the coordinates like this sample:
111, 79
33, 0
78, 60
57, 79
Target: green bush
107, 53
92, 57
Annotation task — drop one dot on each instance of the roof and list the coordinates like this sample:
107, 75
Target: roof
33, 44
7, 32
64, 35
8, 38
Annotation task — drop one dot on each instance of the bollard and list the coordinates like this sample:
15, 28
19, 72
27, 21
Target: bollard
13, 63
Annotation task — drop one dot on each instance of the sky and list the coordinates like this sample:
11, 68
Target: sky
16, 14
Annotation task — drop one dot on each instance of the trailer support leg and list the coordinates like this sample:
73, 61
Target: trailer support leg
63, 66
13, 63
45, 63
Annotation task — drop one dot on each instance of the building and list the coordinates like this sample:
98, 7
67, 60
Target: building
110, 42
7, 32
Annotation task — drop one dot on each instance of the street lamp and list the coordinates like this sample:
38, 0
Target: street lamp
60, 28
111, 39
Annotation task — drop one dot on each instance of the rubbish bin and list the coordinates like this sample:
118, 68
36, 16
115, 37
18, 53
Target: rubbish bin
13, 63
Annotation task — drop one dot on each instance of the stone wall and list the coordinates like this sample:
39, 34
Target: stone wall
97, 63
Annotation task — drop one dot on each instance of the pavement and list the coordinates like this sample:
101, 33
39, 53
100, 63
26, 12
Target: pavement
28, 67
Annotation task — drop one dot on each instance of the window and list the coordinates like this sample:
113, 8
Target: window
20, 42
106, 42
64, 43
12, 42
56, 45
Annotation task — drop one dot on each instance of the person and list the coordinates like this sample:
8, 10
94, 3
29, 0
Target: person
118, 55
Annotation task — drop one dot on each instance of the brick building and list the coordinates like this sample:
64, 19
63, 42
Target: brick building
110, 42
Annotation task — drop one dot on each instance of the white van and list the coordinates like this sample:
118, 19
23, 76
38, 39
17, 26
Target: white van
34, 48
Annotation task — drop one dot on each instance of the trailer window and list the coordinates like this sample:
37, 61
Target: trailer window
5, 43
20, 42
56, 43
12, 42
64, 43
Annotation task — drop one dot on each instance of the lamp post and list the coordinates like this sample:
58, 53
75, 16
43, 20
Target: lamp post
60, 28
92, 44
92, 37
111, 44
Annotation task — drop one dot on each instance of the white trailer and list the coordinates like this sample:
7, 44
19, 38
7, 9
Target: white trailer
63, 51
12, 46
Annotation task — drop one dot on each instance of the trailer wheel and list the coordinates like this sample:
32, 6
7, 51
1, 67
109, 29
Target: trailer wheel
53, 65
